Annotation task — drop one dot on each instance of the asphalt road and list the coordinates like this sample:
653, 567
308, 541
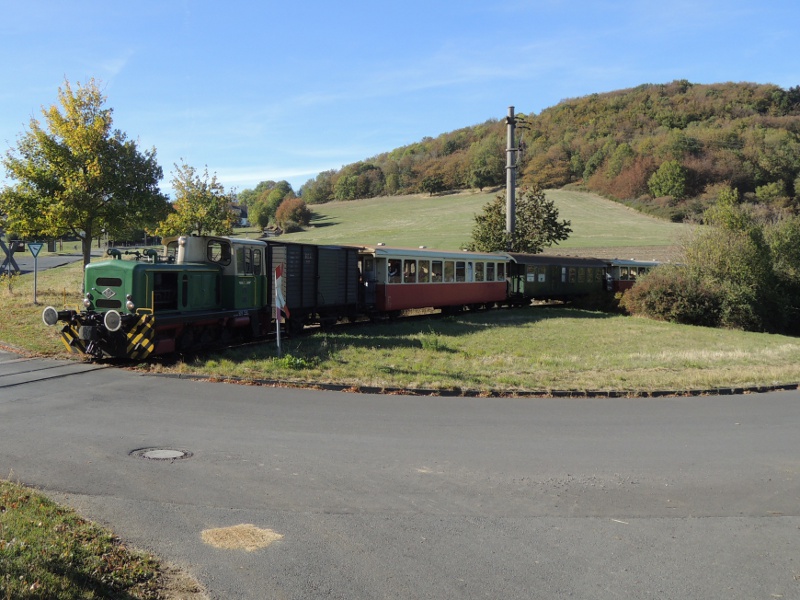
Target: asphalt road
26, 261
408, 497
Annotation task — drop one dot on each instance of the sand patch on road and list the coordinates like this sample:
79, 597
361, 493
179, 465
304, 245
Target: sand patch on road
240, 537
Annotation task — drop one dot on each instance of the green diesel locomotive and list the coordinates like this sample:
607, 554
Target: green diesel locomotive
200, 290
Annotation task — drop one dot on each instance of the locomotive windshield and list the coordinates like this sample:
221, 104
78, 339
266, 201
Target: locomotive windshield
219, 251
172, 250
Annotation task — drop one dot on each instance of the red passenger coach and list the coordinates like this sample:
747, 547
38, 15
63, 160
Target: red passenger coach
624, 273
397, 279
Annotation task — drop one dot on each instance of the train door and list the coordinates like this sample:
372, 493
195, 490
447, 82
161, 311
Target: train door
369, 279
249, 286
517, 274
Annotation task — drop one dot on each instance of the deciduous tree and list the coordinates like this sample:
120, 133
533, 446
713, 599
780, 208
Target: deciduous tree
433, 184
537, 224
292, 211
201, 205
76, 175
669, 180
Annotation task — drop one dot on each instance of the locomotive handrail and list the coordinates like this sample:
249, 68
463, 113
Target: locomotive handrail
149, 254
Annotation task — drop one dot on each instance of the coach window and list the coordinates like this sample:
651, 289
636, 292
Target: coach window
436, 271
581, 275
572, 274
479, 271
219, 252
501, 271
623, 273
490, 272
449, 271
409, 271
424, 271
394, 270
460, 271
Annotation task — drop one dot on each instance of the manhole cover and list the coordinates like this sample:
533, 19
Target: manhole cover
161, 454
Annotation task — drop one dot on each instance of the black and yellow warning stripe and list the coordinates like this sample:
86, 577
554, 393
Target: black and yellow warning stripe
71, 339
141, 338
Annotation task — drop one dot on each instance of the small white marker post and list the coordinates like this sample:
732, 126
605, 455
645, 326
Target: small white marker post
35, 248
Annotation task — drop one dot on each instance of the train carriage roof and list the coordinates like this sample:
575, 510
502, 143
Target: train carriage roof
427, 253
621, 262
561, 261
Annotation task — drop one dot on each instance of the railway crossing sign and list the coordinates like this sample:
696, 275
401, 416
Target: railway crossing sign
9, 263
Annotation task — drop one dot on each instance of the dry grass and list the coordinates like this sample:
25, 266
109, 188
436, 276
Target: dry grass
536, 350
22, 323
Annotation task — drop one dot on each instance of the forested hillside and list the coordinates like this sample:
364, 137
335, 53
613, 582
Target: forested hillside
665, 149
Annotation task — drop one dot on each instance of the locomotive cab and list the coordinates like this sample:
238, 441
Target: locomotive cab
241, 262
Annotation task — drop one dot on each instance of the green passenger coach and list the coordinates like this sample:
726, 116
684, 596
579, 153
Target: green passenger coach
540, 277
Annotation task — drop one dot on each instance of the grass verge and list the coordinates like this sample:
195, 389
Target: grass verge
22, 319
514, 351
48, 552
533, 349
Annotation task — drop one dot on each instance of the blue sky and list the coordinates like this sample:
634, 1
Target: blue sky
283, 90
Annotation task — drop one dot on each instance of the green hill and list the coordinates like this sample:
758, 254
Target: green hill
743, 135
600, 227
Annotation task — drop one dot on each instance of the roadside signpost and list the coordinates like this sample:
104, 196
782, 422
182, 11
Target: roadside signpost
35, 248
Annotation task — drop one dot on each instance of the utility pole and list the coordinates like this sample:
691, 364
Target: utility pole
511, 175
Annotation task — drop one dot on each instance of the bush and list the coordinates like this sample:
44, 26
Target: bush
293, 211
292, 227
669, 293
738, 308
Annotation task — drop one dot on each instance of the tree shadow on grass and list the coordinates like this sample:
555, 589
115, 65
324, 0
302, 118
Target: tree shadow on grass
427, 332
318, 221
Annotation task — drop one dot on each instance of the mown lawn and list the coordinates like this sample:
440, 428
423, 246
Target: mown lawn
446, 222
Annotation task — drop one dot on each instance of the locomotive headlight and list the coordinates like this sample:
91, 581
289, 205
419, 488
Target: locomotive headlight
87, 301
129, 304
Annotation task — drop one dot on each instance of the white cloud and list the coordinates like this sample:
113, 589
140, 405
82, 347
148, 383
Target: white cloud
113, 66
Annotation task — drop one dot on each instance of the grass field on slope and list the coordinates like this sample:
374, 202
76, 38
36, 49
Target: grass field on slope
446, 222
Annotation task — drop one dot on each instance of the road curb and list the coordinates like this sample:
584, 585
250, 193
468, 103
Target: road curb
472, 393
